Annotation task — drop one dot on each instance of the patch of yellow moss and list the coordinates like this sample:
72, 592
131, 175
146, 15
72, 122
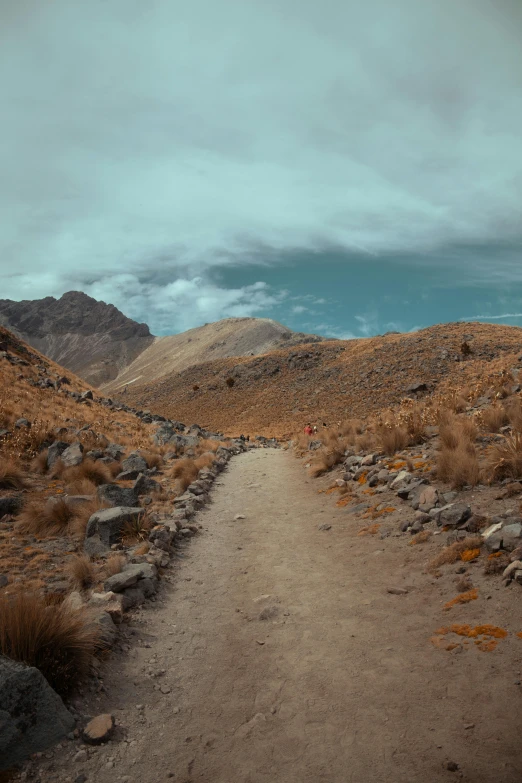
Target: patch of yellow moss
462, 598
469, 554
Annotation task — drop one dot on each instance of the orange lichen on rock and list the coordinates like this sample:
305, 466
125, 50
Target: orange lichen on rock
371, 530
479, 630
488, 646
493, 555
469, 554
463, 598
362, 478
345, 501
519, 634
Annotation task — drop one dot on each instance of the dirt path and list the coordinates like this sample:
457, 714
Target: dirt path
338, 683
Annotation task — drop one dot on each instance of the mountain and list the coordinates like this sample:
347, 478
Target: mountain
100, 344
279, 392
231, 337
93, 339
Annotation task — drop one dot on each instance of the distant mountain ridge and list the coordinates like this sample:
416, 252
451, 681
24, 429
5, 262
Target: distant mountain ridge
93, 339
107, 349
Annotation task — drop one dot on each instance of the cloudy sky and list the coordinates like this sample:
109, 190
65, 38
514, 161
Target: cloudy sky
343, 167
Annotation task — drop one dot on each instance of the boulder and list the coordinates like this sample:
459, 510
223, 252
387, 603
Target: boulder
106, 628
115, 451
134, 462
133, 572
73, 455
55, 451
86, 395
454, 514
104, 527
508, 537
116, 495
133, 596
401, 478
32, 715
10, 504
428, 499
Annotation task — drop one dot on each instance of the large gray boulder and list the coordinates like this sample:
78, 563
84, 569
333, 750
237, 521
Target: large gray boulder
116, 495
134, 462
73, 455
105, 527
55, 451
144, 485
32, 715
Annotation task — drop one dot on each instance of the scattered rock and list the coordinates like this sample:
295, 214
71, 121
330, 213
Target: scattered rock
325, 527
73, 455
99, 730
116, 495
397, 590
105, 526
129, 576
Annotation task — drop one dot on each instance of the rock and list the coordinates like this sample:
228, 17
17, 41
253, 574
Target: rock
86, 395
428, 499
133, 596
397, 590
116, 495
144, 484
507, 536
421, 516
149, 587
417, 526
383, 474
80, 757
32, 715
359, 507
114, 451
403, 527
22, 423
402, 477
4, 580
417, 386
98, 730
105, 526
106, 627
111, 603
369, 459
134, 462
73, 455
454, 514
325, 527
55, 451
129, 576
10, 504
511, 568
238, 517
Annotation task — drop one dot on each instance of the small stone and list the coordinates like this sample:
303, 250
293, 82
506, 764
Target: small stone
325, 527
238, 516
165, 689
80, 756
452, 766
80, 778
99, 729
3, 580
469, 725
397, 590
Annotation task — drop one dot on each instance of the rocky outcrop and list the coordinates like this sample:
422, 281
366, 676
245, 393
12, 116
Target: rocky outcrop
93, 339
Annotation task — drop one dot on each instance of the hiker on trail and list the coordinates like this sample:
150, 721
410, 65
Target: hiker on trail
308, 430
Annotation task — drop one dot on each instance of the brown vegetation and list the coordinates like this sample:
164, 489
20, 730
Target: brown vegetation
505, 459
56, 639
114, 564
11, 475
43, 518
453, 552
82, 572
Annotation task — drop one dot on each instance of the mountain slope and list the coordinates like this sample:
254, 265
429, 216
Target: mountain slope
93, 339
231, 337
331, 381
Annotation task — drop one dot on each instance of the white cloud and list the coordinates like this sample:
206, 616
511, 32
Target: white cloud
502, 317
297, 309
159, 141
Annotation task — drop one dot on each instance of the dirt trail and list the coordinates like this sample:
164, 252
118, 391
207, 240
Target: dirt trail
339, 683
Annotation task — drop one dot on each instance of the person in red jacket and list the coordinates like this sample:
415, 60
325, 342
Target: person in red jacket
308, 430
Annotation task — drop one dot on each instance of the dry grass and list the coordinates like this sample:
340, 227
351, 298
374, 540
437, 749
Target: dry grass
39, 463
186, 470
96, 472
42, 518
82, 572
153, 459
452, 553
114, 564
393, 438
505, 459
12, 475
81, 487
56, 639
324, 460
492, 419
513, 409
136, 530
421, 538
459, 467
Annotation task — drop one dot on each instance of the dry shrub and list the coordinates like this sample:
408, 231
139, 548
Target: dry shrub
494, 418
392, 438
142, 549
96, 472
365, 442
459, 467
43, 518
463, 584
325, 460
513, 409
153, 459
136, 530
452, 553
505, 459
82, 572
496, 564
82, 513
11, 475
208, 445
421, 537
39, 463
81, 487
350, 429
53, 637
230, 382
115, 564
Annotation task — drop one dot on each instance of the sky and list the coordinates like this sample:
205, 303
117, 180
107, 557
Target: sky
346, 168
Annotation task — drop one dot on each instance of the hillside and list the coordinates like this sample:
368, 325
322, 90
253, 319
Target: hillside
93, 339
231, 337
279, 392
